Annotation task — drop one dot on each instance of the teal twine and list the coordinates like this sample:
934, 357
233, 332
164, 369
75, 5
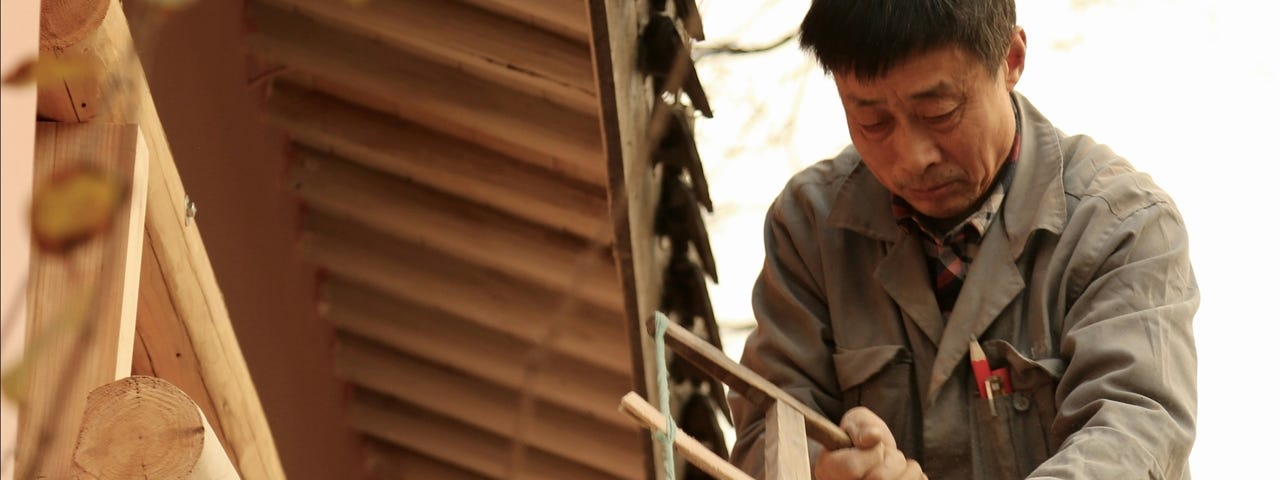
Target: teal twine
664, 394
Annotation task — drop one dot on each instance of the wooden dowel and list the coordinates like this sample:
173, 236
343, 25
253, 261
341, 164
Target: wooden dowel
751, 385
692, 450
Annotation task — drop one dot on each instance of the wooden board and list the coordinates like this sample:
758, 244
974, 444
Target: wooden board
83, 303
786, 449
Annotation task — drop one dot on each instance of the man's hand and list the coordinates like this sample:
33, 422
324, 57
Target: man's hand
874, 456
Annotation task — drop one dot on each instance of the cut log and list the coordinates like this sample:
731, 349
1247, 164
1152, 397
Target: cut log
522, 57
471, 171
145, 427
522, 126
81, 33
460, 228
83, 302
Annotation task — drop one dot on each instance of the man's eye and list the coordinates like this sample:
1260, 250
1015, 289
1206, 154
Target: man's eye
875, 127
943, 118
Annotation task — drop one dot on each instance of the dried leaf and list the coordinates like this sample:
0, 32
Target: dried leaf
76, 205
47, 69
69, 323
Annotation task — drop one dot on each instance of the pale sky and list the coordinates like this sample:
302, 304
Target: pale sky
1186, 90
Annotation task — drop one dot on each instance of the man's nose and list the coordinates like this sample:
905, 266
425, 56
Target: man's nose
916, 149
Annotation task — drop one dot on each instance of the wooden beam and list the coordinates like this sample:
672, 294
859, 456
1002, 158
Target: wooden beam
786, 449
83, 302
522, 57
162, 346
489, 407
186, 270
480, 352
488, 298
457, 443
471, 171
145, 427
522, 126
691, 448
454, 226
565, 17
634, 185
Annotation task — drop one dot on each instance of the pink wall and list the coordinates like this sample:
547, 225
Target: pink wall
19, 29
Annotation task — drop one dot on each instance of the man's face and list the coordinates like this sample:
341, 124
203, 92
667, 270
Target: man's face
936, 128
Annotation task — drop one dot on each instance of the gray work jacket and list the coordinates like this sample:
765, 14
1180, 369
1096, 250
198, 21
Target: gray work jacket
1082, 288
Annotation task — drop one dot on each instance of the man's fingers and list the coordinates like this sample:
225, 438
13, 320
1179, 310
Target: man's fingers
892, 468
847, 463
913, 472
866, 429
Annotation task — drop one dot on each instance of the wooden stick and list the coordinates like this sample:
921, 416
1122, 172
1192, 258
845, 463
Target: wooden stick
751, 385
145, 427
786, 450
692, 450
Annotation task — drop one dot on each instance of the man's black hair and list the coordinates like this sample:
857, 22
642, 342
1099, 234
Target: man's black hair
869, 37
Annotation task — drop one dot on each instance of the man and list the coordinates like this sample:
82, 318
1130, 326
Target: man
972, 293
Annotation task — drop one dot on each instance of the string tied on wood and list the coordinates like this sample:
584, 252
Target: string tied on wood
667, 438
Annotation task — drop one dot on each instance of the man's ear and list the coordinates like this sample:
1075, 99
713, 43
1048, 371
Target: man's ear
1016, 59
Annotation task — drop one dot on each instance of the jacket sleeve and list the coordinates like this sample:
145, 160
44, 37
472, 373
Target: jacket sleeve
1127, 399
792, 344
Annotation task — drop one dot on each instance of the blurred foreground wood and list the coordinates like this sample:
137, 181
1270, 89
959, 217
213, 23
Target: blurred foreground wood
144, 427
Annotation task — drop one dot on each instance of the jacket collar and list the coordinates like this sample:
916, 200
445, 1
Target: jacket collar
1035, 200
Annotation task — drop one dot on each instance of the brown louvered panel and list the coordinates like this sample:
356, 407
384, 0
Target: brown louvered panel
484, 296
454, 442
564, 17
520, 125
389, 144
488, 407
387, 461
484, 353
513, 54
470, 232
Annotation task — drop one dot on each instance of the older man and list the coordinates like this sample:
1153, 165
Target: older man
973, 293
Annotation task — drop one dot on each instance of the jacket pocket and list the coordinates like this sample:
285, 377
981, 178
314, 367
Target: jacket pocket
880, 378
1019, 433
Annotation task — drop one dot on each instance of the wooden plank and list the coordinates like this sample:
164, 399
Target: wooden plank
489, 408
751, 385
386, 461
454, 226
454, 442
145, 427
471, 171
187, 273
510, 53
480, 352
564, 17
690, 448
786, 450
488, 298
522, 126
634, 187
162, 346
83, 303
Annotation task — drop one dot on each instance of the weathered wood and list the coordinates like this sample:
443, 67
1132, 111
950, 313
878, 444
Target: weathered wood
483, 353
693, 450
522, 126
634, 186
145, 427
751, 385
565, 17
489, 408
488, 298
83, 303
78, 31
386, 461
516, 55
786, 450
188, 274
162, 346
455, 442
455, 226
471, 171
